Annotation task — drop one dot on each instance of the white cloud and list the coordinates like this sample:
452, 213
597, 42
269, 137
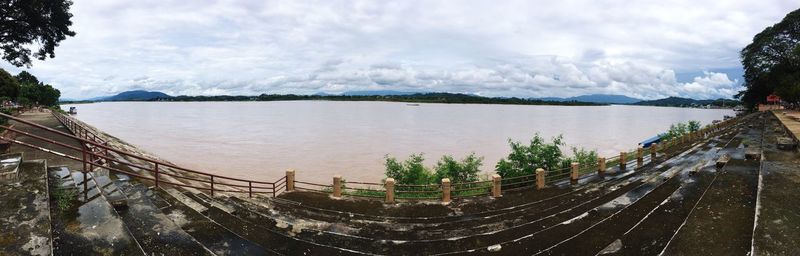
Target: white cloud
508, 48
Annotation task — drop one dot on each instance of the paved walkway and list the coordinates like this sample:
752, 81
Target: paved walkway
790, 119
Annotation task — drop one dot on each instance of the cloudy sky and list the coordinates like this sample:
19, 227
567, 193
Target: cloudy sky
645, 49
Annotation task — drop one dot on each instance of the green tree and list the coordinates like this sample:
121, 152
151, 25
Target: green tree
26, 78
39, 94
465, 170
410, 171
9, 87
772, 62
33, 22
583, 157
693, 126
524, 159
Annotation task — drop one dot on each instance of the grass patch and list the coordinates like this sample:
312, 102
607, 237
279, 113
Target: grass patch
65, 198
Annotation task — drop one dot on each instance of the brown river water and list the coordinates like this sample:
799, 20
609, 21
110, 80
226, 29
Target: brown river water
323, 138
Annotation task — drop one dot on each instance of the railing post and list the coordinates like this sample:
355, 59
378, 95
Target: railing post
601, 166
389, 183
540, 178
496, 186
639, 157
445, 190
157, 176
85, 189
573, 176
212, 185
337, 186
622, 161
653, 151
250, 189
290, 180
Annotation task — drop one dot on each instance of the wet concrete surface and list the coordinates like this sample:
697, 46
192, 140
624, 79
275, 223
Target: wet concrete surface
778, 226
89, 225
722, 222
215, 236
24, 215
155, 232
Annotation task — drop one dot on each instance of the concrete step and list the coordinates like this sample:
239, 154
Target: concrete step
24, 215
155, 231
217, 237
9, 168
83, 222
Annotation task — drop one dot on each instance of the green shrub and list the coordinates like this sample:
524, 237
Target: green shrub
680, 129
583, 157
4, 120
524, 159
465, 170
410, 171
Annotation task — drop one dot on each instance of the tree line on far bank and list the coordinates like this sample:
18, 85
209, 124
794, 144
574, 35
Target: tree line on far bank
26, 90
431, 97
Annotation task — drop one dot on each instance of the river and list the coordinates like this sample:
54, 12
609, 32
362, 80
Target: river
323, 138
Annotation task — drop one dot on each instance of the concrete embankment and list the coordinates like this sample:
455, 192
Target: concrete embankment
680, 202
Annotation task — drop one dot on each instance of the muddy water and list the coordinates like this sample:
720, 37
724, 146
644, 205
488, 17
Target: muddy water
321, 139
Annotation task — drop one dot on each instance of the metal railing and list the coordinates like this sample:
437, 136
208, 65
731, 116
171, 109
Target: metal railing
95, 152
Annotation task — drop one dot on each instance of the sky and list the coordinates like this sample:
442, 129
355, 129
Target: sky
642, 49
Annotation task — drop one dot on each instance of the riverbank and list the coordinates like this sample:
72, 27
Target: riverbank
322, 139
675, 203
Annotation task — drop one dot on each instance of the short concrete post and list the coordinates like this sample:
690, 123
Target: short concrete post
337, 186
389, 190
639, 157
539, 178
622, 161
573, 177
290, 180
601, 166
653, 151
496, 184
445, 190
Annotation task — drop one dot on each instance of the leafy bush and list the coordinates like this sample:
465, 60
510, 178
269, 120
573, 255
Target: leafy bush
693, 126
4, 120
680, 129
524, 159
464, 171
412, 171
583, 157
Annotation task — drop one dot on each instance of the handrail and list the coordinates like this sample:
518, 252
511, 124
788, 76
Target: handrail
95, 154
163, 163
144, 158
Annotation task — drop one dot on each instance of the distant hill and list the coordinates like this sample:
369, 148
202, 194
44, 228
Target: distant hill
597, 98
686, 102
376, 93
137, 95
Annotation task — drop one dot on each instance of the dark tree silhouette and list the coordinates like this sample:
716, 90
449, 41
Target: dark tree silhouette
24, 23
9, 87
26, 78
772, 62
